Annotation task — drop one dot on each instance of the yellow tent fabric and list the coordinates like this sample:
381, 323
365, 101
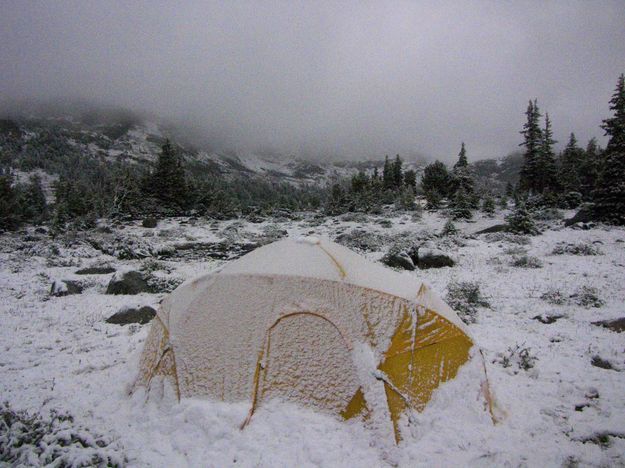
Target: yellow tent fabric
310, 322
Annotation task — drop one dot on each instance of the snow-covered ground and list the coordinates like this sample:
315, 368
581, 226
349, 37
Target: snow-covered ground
57, 353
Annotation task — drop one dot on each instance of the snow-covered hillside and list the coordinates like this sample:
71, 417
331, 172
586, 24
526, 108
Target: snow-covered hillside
558, 377
139, 142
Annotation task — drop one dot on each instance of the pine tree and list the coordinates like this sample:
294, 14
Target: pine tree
397, 173
410, 179
168, 182
436, 179
590, 167
463, 179
571, 161
33, 201
520, 221
9, 203
449, 229
609, 196
546, 164
387, 174
461, 208
488, 205
462, 158
532, 142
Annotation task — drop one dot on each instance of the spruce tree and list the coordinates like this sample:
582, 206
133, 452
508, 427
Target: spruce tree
546, 167
397, 173
461, 208
9, 203
609, 196
410, 179
590, 167
436, 180
168, 181
488, 205
462, 158
571, 161
387, 174
449, 229
520, 221
532, 134
463, 179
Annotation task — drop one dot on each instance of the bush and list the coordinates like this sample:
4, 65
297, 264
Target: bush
587, 296
554, 296
449, 229
526, 261
581, 248
465, 297
516, 358
31, 440
520, 221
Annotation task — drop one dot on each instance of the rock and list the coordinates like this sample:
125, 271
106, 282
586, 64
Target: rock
495, 228
41, 230
65, 288
128, 315
433, 258
398, 260
601, 363
547, 319
131, 282
616, 325
96, 270
583, 216
149, 222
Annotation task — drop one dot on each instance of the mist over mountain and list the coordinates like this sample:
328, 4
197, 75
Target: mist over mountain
323, 80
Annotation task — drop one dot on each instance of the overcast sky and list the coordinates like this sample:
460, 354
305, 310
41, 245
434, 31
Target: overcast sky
359, 79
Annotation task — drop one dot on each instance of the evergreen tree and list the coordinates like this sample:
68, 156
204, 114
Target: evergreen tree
590, 167
532, 142
570, 164
432, 200
9, 203
33, 201
387, 174
461, 205
462, 158
168, 182
463, 179
436, 180
488, 205
410, 179
397, 173
520, 221
609, 196
546, 164
449, 229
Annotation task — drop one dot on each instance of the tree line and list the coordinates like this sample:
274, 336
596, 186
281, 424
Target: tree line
88, 188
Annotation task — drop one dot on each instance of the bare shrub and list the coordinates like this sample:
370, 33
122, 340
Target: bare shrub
465, 297
580, 248
554, 296
516, 358
587, 297
526, 261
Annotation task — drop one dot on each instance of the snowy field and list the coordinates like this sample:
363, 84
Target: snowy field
558, 378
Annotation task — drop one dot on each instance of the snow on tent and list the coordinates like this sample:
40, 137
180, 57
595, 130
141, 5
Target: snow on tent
310, 322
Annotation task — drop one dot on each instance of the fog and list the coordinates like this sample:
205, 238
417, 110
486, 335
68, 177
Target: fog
325, 79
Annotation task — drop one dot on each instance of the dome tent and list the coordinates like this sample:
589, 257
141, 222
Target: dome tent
311, 322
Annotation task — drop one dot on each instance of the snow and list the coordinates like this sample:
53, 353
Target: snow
57, 353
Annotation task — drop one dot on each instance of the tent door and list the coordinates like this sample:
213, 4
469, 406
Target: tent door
308, 362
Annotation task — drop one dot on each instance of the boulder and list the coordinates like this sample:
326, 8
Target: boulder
131, 282
65, 288
547, 319
583, 216
428, 257
398, 260
495, 228
149, 222
96, 270
128, 315
616, 325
